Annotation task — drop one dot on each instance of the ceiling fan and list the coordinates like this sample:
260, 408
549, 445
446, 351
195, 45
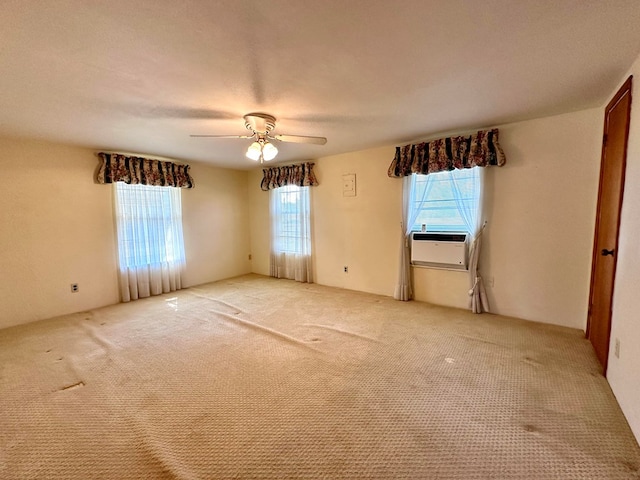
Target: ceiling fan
261, 125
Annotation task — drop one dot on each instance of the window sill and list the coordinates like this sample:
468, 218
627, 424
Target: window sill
434, 266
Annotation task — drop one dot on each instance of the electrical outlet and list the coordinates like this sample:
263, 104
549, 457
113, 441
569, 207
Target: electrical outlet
74, 288
616, 350
346, 269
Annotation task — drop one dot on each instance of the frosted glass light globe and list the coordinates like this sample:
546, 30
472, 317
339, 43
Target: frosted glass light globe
254, 151
269, 152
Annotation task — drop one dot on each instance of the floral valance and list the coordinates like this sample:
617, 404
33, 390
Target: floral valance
143, 171
478, 150
300, 174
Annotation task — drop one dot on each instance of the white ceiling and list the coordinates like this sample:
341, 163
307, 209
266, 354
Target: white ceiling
140, 76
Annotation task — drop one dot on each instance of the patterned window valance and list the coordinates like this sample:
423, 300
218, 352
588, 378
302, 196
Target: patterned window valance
478, 150
300, 174
138, 170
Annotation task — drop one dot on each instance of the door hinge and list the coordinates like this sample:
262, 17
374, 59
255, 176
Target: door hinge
604, 139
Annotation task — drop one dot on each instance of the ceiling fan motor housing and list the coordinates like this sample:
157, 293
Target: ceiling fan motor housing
260, 122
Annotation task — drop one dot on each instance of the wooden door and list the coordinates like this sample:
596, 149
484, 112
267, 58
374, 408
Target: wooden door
605, 247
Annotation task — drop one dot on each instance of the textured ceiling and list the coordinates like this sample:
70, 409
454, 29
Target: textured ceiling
141, 76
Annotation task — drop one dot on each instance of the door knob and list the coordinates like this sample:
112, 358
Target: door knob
606, 252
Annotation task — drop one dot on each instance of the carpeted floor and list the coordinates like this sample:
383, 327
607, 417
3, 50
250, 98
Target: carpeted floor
261, 378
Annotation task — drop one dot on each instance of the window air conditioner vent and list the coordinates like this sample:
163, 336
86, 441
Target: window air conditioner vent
441, 237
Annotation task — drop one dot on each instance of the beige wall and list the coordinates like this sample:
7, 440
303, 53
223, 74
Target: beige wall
361, 232
57, 229
259, 223
624, 372
541, 212
215, 219
540, 209
442, 287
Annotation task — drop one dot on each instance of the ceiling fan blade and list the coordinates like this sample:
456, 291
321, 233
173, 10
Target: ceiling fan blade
223, 136
301, 139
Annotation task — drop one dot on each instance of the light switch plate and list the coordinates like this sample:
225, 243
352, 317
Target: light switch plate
349, 185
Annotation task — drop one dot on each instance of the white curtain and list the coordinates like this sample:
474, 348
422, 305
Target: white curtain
411, 206
291, 233
150, 242
469, 205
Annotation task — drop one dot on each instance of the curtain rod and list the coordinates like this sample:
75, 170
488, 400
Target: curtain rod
450, 133
141, 155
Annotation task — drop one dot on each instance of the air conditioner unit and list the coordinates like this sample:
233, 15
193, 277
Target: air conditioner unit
439, 249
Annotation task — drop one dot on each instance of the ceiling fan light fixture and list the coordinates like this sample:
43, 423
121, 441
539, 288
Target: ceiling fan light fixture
261, 126
269, 151
254, 151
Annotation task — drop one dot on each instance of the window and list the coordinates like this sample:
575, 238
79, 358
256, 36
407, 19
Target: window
291, 233
150, 242
291, 213
442, 201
